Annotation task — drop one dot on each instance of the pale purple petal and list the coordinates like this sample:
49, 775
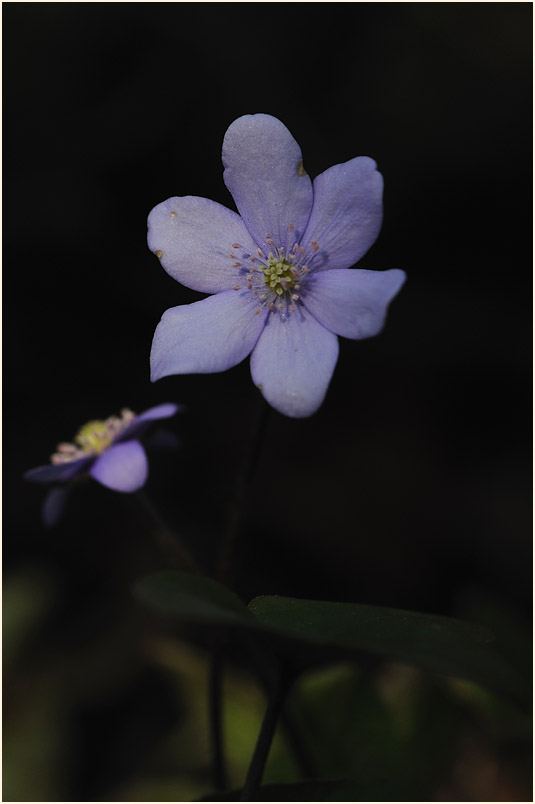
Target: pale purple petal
54, 505
144, 420
293, 362
347, 213
352, 302
123, 467
194, 239
264, 172
57, 473
207, 336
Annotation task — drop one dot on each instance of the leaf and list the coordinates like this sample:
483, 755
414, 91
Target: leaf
194, 598
434, 643
309, 633
312, 790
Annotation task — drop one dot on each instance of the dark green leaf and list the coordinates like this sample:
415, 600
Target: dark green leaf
193, 598
312, 632
438, 644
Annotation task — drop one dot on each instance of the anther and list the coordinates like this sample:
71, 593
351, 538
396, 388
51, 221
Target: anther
257, 311
315, 245
232, 256
236, 265
236, 287
236, 245
173, 214
291, 227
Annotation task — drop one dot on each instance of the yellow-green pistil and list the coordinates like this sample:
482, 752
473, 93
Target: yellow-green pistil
95, 436
278, 274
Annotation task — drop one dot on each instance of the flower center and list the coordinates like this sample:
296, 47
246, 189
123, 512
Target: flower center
93, 438
278, 274
275, 275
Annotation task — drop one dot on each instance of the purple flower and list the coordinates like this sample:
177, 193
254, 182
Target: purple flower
110, 451
279, 270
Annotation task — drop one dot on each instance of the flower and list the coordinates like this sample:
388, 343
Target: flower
279, 270
109, 451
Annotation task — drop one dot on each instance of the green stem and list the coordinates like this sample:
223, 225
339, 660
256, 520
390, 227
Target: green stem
225, 573
174, 548
274, 708
227, 570
219, 776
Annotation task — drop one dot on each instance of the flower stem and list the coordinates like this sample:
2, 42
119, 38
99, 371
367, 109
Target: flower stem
227, 569
219, 776
274, 708
175, 549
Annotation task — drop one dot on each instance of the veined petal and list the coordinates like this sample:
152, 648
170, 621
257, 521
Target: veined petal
58, 472
123, 467
143, 421
352, 302
347, 213
193, 238
293, 362
264, 173
207, 336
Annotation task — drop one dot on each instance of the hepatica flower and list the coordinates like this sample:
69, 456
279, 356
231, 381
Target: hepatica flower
109, 451
279, 271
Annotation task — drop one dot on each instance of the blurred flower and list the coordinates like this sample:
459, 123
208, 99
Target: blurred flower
110, 451
279, 270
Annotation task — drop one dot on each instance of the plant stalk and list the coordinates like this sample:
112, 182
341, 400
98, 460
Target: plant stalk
274, 708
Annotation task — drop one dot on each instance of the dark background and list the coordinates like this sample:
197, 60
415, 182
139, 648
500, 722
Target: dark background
411, 487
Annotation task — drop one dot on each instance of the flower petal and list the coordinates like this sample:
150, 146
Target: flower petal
54, 505
207, 336
293, 362
144, 420
123, 467
264, 172
193, 238
352, 302
347, 213
59, 472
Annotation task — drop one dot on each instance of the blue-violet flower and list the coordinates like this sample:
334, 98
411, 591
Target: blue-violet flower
110, 451
279, 270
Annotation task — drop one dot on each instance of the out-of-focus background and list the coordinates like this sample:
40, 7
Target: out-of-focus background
410, 488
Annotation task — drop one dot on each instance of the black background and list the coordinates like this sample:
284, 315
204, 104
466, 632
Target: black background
411, 486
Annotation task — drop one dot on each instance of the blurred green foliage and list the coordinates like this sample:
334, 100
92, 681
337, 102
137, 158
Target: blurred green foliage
393, 732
